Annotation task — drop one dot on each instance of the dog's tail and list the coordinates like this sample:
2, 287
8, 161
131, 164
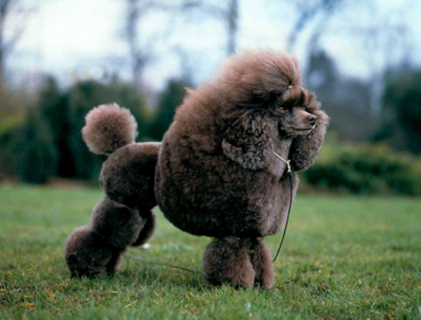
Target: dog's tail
109, 127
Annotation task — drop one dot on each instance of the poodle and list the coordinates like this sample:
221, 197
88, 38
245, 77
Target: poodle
214, 174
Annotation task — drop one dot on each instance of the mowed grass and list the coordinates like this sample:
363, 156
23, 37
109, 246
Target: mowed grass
344, 257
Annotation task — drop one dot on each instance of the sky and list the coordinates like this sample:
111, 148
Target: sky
79, 39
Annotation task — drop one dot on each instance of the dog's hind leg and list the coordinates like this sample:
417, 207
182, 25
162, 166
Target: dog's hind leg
96, 249
128, 177
148, 229
227, 261
86, 254
123, 217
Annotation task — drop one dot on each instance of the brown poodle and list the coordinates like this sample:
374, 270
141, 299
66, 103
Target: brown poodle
215, 173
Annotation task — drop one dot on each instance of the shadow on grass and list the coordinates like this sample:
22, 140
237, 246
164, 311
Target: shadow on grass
139, 274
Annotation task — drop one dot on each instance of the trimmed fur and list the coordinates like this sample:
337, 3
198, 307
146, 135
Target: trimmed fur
127, 176
227, 261
88, 255
149, 227
123, 218
215, 173
109, 127
304, 149
262, 263
242, 263
117, 224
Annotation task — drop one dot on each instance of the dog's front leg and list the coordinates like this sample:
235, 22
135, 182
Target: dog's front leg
304, 149
227, 261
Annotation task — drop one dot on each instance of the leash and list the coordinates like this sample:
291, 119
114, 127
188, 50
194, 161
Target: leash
290, 201
164, 264
287, 162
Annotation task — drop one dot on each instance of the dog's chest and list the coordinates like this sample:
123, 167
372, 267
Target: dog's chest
281, 147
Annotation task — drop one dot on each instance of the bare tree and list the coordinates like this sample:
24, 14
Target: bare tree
231, 15
314, 14
138, 57
385, 35
141, 47
185, 64
378, 49
228, 14
307, 11
8, 7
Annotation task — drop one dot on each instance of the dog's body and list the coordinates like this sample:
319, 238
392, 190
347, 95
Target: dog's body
211, 194
215, 173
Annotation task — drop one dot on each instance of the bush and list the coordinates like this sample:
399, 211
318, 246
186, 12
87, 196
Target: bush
9, 128
13, 103
401, 119
80, 99
49, 142
35, 155
170, 99
366, 169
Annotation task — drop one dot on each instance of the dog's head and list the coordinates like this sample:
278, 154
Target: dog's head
270, 82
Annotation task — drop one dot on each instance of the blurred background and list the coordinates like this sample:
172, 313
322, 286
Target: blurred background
60, 58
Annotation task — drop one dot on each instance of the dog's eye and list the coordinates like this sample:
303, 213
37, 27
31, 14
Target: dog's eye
281, 110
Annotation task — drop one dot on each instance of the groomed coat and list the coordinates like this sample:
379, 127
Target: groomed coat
217, 174
214, 174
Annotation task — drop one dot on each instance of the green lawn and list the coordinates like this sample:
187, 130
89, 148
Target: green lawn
344, 257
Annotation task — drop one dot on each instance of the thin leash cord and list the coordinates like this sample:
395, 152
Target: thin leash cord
164, 264
290, 201
280, 245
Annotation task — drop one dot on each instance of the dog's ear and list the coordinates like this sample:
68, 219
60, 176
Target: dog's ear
246, 143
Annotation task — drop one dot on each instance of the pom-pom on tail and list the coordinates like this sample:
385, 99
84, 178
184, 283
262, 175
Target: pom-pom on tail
109, 127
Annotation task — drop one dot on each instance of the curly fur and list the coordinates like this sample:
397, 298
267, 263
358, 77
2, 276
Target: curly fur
109, 127
304, 149
217, 162
215, 172
227, 260
123, 218
262, 263
87, 255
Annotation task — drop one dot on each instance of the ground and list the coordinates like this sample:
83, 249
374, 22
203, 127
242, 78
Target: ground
343, 257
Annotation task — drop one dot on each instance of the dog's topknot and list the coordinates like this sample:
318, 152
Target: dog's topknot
253, 73
109, 127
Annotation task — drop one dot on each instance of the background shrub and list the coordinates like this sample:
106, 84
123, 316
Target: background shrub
35, 155
50, 143
170, 99
365, 169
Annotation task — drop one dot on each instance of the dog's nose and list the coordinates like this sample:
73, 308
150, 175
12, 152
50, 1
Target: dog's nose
312, 119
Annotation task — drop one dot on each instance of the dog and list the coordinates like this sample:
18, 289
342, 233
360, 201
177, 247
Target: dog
214, 174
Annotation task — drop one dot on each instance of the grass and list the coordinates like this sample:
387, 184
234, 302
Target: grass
344, 257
